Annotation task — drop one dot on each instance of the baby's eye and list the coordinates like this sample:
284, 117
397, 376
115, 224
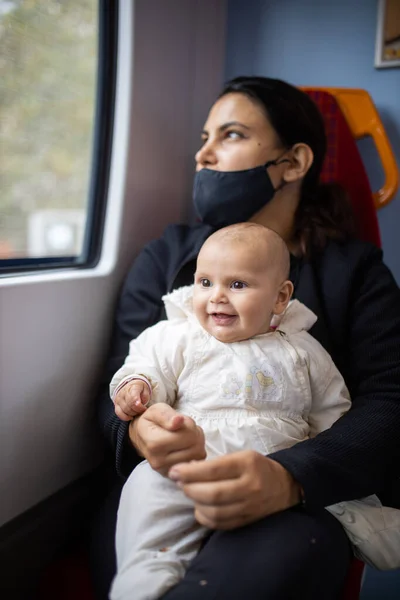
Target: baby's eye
205, 282
238, 285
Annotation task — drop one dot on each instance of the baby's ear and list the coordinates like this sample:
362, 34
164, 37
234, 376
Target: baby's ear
284, 295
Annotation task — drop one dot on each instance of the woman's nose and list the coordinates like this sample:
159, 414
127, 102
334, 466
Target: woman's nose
205, 156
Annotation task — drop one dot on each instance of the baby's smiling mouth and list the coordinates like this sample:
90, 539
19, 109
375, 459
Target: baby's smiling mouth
221, 318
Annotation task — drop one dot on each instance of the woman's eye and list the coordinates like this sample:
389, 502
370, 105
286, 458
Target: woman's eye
234, 135
238, 285
205, 283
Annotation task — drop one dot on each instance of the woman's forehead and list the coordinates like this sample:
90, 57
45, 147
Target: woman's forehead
236, 107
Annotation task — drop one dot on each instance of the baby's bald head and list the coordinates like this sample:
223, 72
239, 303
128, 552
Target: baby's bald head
241, 282
268, 248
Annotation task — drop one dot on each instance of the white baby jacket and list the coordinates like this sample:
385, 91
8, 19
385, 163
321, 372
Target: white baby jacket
264, 394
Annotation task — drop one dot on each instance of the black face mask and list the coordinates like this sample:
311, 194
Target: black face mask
223, 198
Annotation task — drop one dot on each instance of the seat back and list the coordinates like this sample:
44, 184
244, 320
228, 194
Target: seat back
343, 164
363, 120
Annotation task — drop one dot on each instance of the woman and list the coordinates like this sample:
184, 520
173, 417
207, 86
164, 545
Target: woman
262, 153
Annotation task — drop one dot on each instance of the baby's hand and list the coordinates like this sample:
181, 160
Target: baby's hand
131, 400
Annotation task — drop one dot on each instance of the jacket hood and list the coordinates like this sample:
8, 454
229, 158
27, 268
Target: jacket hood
179, 303
297, 317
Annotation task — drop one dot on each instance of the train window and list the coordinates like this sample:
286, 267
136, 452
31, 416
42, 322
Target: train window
57, 74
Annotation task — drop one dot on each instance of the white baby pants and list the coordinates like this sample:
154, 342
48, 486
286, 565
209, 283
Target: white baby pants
157, 536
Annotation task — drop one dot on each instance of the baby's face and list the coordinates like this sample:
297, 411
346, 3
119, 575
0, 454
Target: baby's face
236, 291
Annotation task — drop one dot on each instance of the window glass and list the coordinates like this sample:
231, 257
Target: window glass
48, 78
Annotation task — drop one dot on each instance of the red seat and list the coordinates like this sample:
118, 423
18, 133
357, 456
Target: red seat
67, 579
343, 165
353, 581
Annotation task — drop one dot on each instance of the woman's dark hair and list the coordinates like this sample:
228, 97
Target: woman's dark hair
324, 211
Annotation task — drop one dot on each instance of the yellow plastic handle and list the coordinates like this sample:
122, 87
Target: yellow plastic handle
363, 119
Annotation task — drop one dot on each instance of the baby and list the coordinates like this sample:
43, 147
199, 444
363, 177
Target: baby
235, 356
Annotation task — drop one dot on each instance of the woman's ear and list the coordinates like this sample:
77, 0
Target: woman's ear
301, 158
283, 298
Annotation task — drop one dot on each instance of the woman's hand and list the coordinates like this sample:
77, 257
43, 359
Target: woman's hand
236, 489
165, 438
